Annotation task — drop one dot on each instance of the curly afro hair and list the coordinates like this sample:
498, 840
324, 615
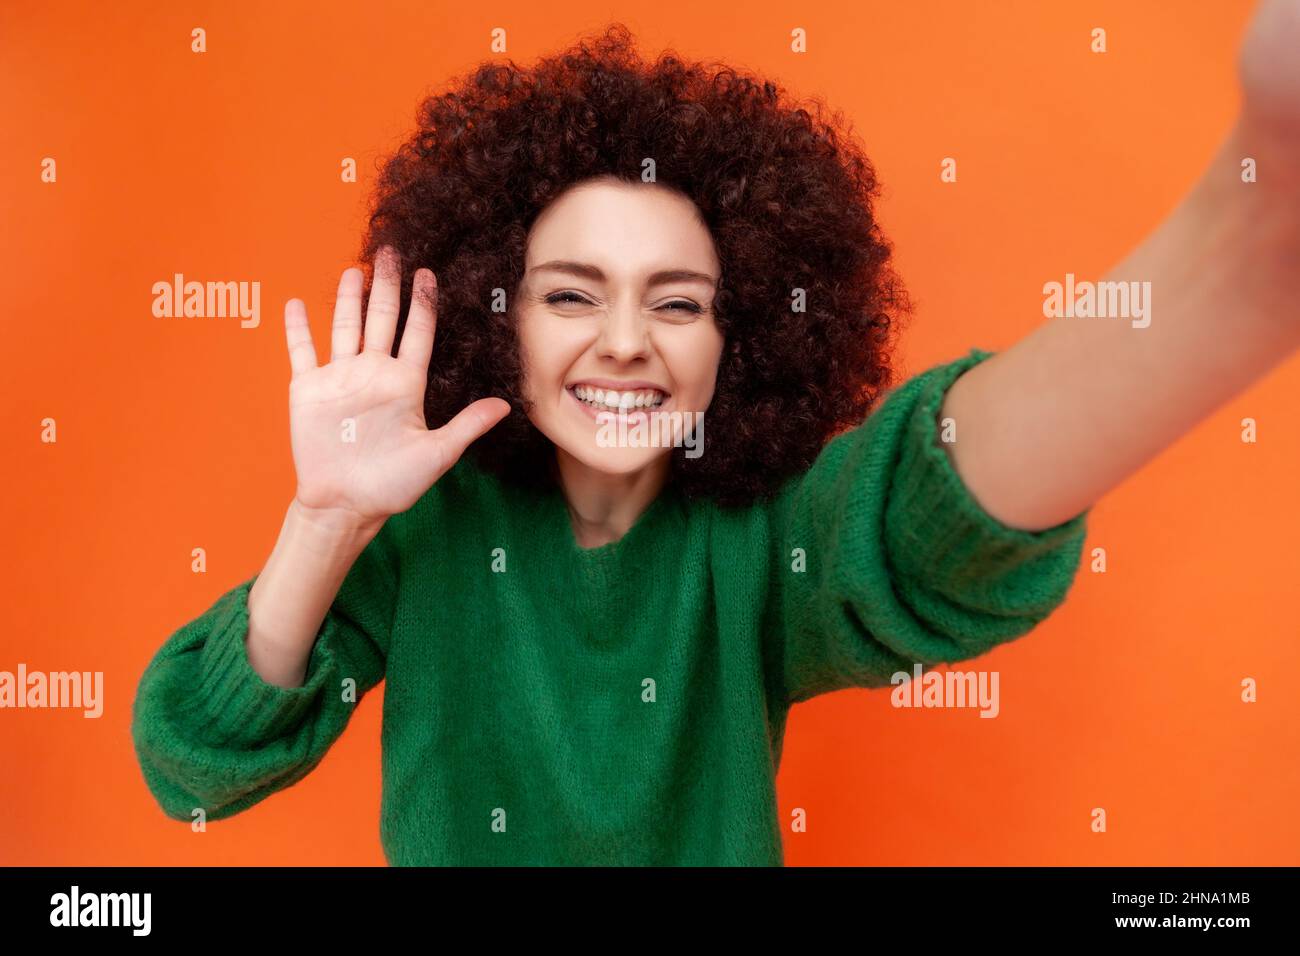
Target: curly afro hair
786, 194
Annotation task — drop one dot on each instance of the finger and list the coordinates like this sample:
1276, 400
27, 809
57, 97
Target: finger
385, 301
450, 441
346, 338
421, 321
297, 334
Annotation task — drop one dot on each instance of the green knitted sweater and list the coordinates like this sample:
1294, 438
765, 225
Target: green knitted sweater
625, 704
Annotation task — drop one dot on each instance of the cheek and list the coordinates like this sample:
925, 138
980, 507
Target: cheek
547, 349
693, 361
534, 354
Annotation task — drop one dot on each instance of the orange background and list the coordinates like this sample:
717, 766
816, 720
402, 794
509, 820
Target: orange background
173, 433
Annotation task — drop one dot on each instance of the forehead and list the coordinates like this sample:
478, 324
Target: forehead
623, 228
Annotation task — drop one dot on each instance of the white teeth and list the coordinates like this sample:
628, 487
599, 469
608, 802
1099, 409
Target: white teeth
608, 398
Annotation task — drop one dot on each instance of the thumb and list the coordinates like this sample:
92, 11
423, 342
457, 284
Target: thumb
451, 440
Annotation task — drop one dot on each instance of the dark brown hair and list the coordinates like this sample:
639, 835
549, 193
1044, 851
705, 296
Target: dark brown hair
784, 190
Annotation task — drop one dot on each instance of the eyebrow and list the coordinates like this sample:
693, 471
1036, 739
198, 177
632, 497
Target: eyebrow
587, 271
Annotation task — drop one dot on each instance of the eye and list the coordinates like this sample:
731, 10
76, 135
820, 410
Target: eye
566, 297
682, 306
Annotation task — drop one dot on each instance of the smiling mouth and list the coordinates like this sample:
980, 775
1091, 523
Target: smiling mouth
629, 402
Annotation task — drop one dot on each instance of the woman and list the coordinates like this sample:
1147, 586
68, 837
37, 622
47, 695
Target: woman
591, 642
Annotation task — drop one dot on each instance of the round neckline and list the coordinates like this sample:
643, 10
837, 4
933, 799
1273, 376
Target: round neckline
558, 511
591, 578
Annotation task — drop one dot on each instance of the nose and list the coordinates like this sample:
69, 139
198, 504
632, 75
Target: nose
624, 334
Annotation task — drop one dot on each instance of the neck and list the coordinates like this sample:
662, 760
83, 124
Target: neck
602, 507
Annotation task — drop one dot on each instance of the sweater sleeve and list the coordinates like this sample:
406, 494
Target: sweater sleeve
900, 564
210, 733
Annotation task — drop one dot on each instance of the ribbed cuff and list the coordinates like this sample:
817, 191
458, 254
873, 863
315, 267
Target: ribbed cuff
941, 533
240, 708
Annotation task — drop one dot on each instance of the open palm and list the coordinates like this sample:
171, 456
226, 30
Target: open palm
361, 447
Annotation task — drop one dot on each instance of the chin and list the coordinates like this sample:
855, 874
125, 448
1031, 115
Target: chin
619, 461
615, 461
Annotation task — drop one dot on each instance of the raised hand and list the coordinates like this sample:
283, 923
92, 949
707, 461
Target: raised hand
361, 447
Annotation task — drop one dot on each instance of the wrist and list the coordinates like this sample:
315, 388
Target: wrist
1245, 232
336, 529
1274, 185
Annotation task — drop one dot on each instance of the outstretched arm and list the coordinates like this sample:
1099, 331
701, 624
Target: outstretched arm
1046, 427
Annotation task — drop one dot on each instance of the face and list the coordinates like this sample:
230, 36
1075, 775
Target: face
615, 317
